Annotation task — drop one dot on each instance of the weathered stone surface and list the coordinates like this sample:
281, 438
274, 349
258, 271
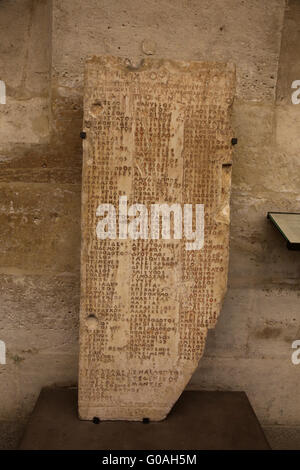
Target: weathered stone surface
287, 124
45, 163
264, 178
157, 133
9, 389
270, 373
49, 303
25, 53
53, 370
11, 433
236, 31
40, 227
289, 62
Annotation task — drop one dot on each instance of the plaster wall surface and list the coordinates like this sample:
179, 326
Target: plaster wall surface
43, 46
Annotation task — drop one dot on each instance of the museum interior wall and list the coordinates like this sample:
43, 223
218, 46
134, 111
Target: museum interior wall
43, 46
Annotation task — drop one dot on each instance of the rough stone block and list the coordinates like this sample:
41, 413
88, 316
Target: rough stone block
156, 134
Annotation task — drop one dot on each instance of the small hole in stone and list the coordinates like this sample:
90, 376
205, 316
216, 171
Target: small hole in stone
146, 420
92, 322
96, 420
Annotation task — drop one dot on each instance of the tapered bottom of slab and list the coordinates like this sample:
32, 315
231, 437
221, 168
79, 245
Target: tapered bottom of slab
122, 414
199, 420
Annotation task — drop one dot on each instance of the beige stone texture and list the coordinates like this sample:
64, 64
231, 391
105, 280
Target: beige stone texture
158, 133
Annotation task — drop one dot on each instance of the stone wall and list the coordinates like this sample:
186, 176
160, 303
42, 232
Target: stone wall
43, 45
